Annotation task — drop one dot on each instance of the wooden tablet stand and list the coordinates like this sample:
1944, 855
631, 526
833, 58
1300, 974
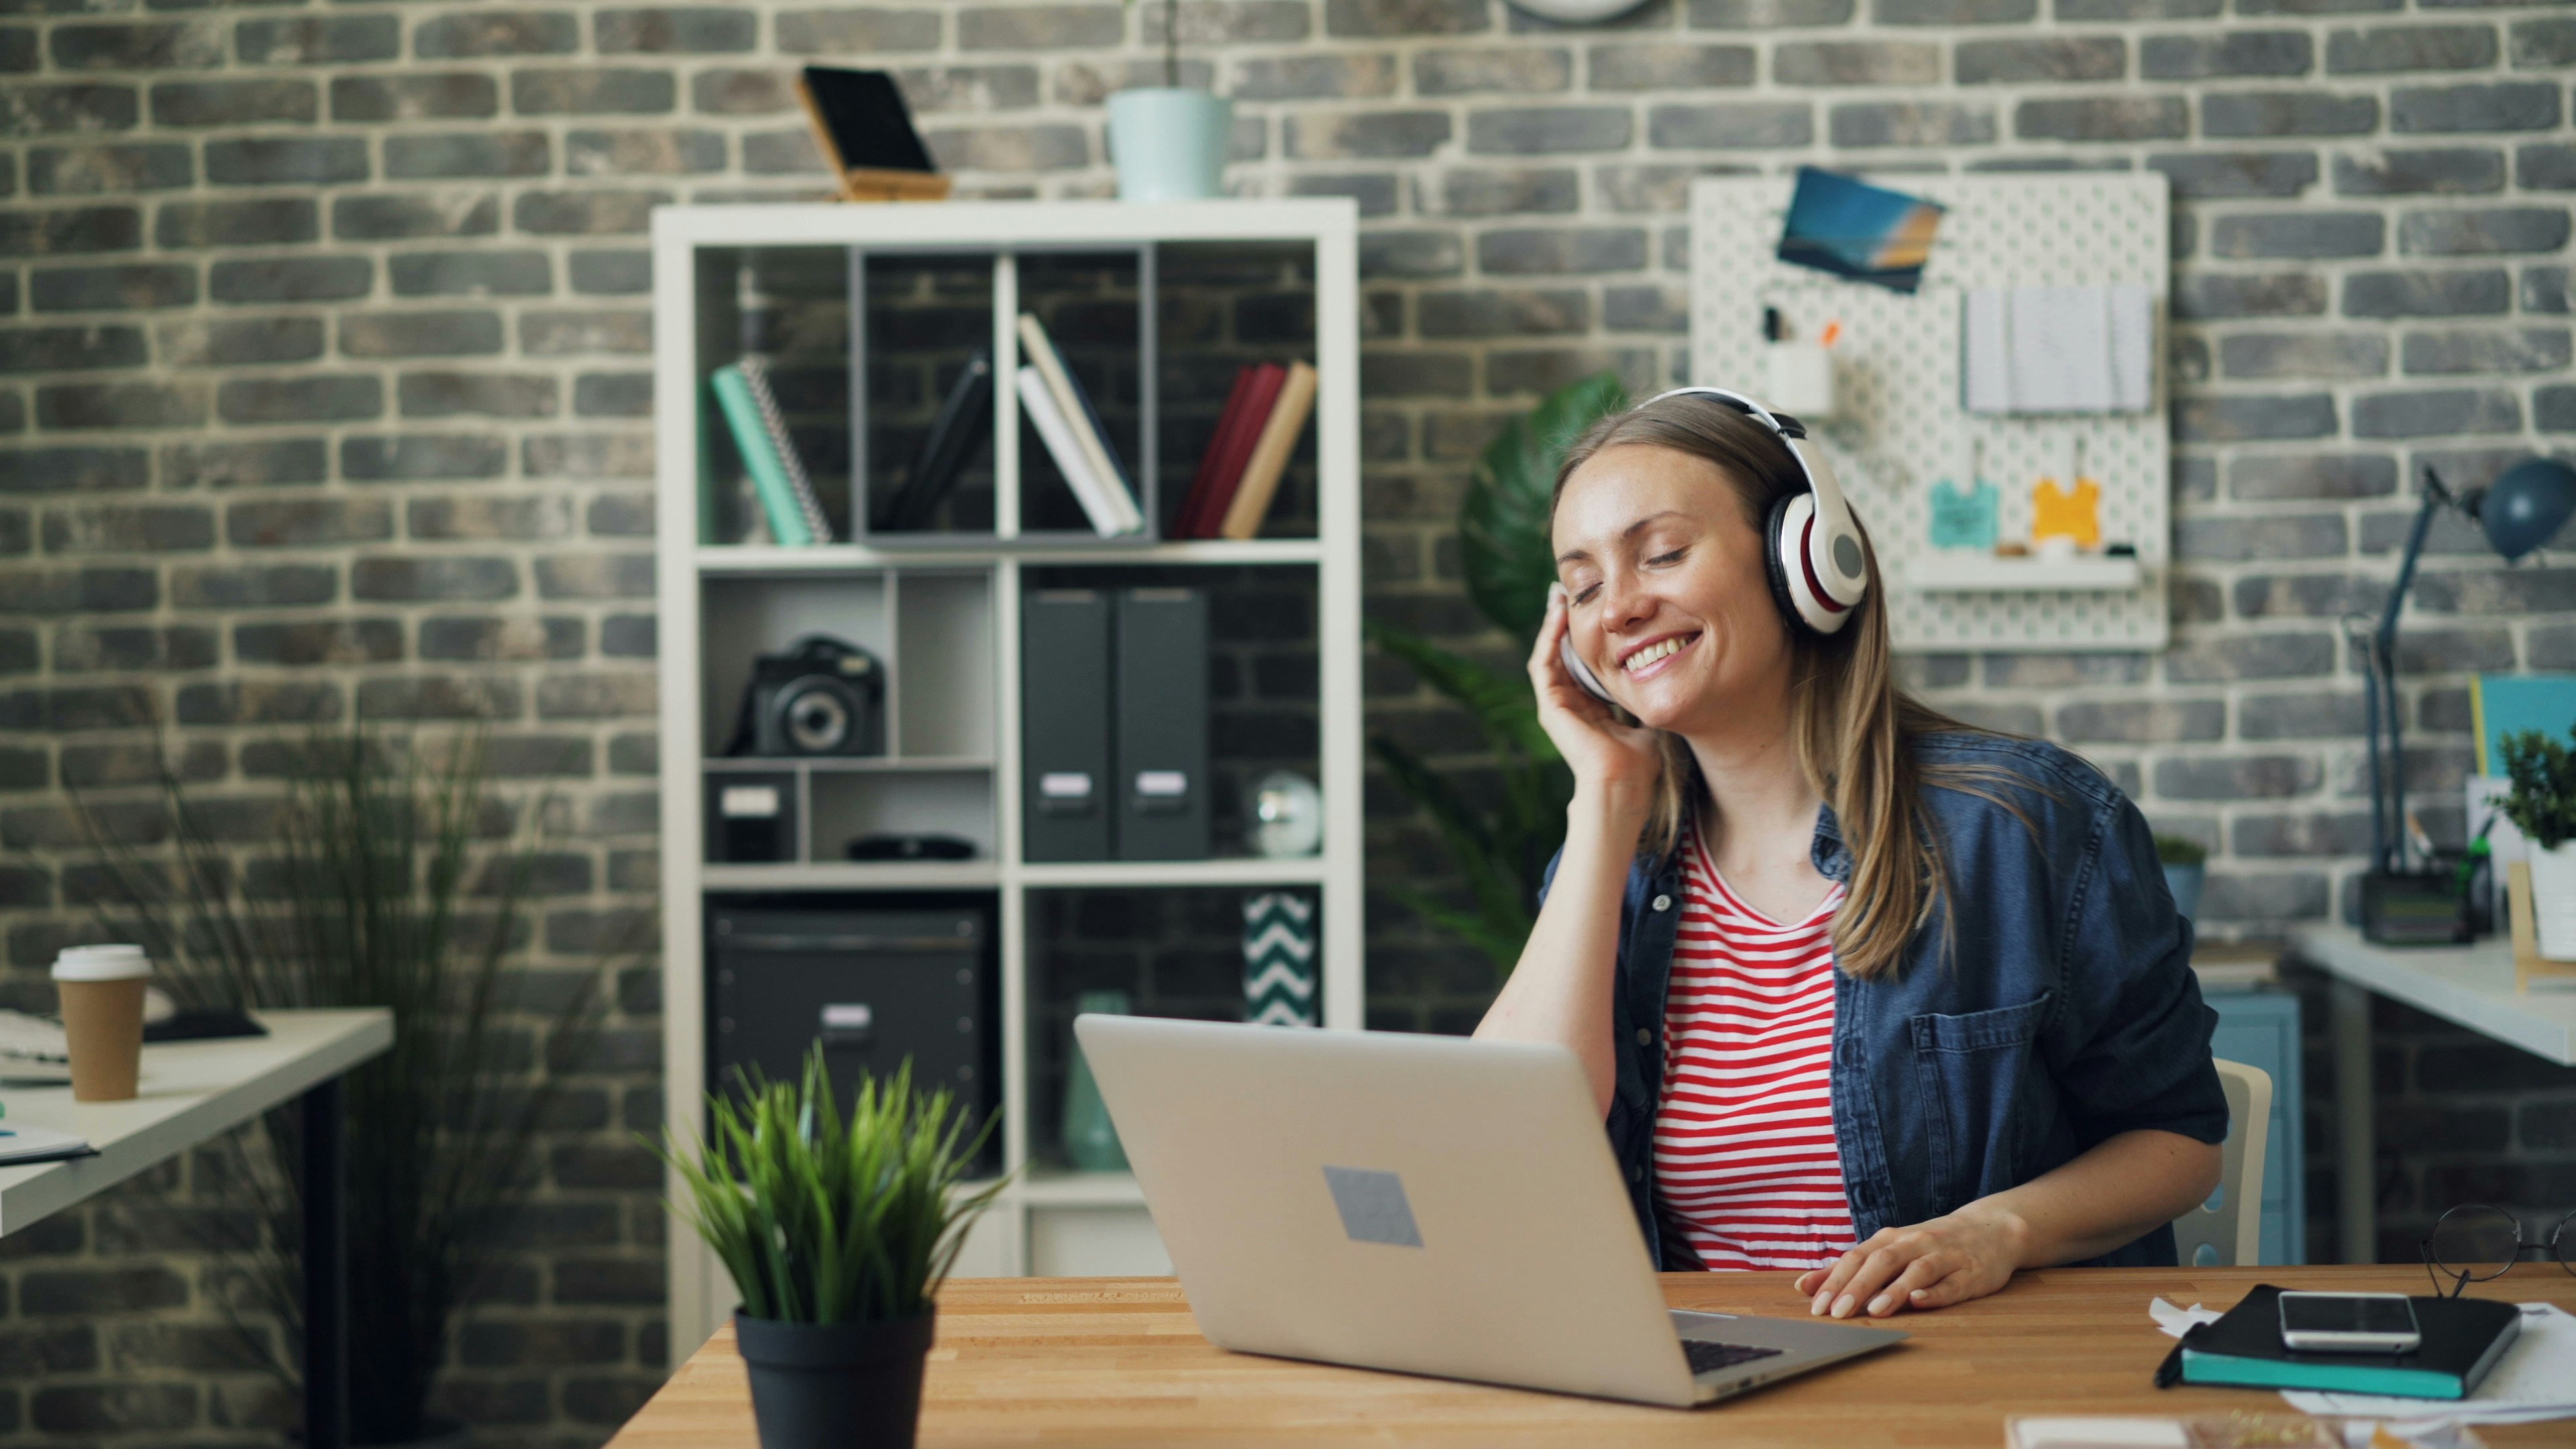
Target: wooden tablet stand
2528, 963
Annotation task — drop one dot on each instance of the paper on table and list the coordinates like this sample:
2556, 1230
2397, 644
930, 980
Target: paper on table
2536, 1381
2178, 1321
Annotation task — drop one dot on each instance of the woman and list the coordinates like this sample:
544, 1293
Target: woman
1860, 990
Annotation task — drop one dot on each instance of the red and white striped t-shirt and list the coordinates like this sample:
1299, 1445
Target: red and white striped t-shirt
1745, 1162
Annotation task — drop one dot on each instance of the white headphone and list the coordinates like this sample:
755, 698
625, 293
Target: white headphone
1812, 551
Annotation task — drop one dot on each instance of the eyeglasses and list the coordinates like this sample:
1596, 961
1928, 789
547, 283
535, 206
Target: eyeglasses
2475, 1242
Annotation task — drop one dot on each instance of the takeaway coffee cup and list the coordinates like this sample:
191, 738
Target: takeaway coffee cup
102, 993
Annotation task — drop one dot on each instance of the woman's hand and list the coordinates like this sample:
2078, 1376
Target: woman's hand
1968, 1254
1605, 754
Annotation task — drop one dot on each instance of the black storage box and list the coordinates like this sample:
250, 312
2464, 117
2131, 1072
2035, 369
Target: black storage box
876, 987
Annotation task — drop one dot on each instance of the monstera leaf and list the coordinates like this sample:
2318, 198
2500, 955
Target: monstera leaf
1503, 521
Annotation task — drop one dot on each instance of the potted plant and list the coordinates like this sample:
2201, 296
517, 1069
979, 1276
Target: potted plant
2541, 803
838, 1230
1169, 142
377, 879
2186, 863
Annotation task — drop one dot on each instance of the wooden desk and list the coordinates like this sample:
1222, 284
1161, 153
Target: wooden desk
1116, 1361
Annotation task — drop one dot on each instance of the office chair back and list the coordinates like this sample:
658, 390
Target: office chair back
2228, 1229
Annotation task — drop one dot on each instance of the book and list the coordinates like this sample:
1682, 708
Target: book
1269, 459
1095, 496
1237, 444
865, 132
751, 441
963, 425
40, 1144
1195, 500
2503, 704
2463, 1340
773, 422
1082, 421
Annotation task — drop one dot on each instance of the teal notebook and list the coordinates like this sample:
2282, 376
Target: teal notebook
2463, 1339
2503, 704
760, 458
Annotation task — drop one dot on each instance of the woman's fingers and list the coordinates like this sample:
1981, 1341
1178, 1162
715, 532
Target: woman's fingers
1835, 1276
1954, 1287
1876, 1270
1922, 1273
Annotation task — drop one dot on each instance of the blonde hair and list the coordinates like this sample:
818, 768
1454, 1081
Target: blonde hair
1852, 728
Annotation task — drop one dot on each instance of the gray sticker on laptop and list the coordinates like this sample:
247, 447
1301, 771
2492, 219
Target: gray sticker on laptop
1372, 1206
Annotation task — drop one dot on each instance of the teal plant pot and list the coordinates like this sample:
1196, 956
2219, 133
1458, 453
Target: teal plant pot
1169, 144
2184, 881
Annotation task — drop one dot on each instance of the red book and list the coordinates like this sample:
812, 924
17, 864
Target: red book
1195, 500
1235, 445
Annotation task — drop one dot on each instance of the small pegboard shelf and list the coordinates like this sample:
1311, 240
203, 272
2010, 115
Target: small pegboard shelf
1900, 426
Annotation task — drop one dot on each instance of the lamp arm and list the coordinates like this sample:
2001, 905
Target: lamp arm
2388, 820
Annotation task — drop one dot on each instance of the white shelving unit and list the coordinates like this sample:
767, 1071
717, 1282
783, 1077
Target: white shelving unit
944, 614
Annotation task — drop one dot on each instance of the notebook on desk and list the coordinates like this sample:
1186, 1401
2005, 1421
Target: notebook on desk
2464, 1338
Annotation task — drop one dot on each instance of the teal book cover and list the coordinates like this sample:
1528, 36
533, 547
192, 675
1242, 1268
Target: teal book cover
2463, 1340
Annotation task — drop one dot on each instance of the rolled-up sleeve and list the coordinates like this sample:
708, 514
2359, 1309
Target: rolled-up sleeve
2131, 1049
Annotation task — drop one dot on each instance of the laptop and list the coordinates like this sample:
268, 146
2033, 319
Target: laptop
1432, 1205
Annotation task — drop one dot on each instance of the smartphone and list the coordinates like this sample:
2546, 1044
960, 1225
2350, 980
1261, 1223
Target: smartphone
2349, 1323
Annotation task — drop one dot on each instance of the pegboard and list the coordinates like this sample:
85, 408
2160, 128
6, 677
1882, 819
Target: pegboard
1899, 424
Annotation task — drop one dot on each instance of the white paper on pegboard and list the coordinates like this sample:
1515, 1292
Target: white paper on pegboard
1900, 426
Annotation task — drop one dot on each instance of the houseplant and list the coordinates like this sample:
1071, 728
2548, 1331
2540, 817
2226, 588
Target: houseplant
2186, 863
1169, 142
2541, 803
1499, 832
838, 1230
378, 879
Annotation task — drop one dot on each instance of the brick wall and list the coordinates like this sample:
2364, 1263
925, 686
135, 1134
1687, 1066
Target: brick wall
322, 380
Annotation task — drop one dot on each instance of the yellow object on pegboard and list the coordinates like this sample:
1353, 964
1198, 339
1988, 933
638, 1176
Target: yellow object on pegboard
2074, 513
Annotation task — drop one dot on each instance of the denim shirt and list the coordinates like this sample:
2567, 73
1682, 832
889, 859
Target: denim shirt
2054, 1009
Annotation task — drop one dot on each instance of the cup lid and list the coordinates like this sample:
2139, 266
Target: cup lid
101, 963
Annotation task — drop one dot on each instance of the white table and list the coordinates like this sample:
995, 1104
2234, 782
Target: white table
193, 1091
2470, 985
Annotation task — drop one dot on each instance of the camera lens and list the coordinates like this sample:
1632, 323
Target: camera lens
817, 723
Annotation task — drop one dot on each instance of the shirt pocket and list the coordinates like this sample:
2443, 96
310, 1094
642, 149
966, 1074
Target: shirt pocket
1968, 1072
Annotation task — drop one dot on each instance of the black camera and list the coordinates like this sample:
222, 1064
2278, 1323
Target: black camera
824, 696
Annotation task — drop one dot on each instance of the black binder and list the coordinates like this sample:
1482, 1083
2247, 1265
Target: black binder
1064, 725
2463, 1339
1162, 713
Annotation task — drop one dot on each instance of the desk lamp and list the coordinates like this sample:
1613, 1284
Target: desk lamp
2521, 510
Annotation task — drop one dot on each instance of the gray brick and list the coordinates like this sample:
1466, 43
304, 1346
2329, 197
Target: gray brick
18, 50
112, 288
482, 516
1369, 18
1314, 77
613, 395
2435, 413
257, 463
2307, 596
395, 216
416, 97
1953, 12
295, 279
1422, 253
855, 31
1541, 130
2288, 113
2464, 293
2239, 777
120, 528
496, 32
1731, 126
2504, 106
69, 349
654, 152
2224, 538
1039, 27
336, 642
440, 697
2253, 418
1664, 188
121, 405
611, 273
1544, 370
512, 273
2334, 356
498, 639
675, 29
2545, 167
33, 110
2064, 58
228, 103
1662, 65
419, 334
969, 89
2270, 655
286, 161
299, 399
318, 40
307, 522
2225, 54
1911, 123
1855, 62
426, 580
2217, 174
2422, 171
2544, 290
2298, 234
1416, 373
2104, 118
1767, 14
490, 395
137, 45
2527, 349
263, 586
1571, 250
2553, 409
1014, 148
2484, 232
1492, 192
423, 457
1375, 191
108, 167
2155, 721
70, 229
782, 153
266, 221
596, 575
585, 213
1310, 136
592, 91
1219, 22
467, 153
1502, 312
2390, 48
64, 470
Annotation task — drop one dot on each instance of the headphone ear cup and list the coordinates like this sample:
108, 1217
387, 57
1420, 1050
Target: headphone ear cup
1776, 561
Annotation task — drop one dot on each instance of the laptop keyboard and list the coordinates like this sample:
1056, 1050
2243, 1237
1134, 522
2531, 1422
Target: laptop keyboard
1706, 1357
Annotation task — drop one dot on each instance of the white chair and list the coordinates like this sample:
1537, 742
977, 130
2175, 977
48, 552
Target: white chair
2229, 1227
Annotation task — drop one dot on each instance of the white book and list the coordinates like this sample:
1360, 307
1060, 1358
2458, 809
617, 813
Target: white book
1039, 403
1077, 419
38, 1144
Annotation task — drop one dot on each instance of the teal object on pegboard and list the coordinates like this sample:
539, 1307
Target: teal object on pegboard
1964, 518
1279, 960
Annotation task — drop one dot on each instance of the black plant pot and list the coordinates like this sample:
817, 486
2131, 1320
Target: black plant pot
835, 1385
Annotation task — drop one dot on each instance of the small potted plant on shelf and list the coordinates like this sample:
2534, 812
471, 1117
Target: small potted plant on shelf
838, 1230
1169, 141
2542, 805
2186, 863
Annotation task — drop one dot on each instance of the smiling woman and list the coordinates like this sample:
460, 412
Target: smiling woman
1861, 990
